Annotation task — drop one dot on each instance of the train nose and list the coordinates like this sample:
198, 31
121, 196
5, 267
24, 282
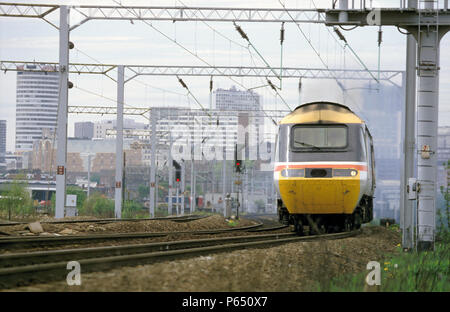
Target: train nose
313, 195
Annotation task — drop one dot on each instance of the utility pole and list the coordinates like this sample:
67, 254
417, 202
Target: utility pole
427, 119
176, 205
153, 120
119, 143
238, 201
170, 168
183, 185
409, 84
61, 152
224, 170
192, 204
89, 176
252, 202
156, 187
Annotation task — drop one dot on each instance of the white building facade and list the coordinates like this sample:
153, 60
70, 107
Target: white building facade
36, 106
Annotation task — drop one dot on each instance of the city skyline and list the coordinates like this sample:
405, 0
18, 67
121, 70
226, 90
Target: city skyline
139, 44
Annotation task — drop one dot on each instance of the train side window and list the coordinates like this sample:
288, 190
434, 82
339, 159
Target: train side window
372, 153
363, 144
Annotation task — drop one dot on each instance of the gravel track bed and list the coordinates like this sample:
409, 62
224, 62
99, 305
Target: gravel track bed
208, 223
290, 267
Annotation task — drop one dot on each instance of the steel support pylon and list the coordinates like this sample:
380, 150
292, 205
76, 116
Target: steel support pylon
428, 24
61, 130
119, 143
427, 119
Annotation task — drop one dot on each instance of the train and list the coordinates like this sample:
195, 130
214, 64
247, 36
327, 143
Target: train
324, 170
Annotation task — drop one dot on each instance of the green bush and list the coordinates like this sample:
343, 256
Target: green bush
132, 209
97, 205
16, 201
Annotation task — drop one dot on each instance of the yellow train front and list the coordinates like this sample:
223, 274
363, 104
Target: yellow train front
324, 169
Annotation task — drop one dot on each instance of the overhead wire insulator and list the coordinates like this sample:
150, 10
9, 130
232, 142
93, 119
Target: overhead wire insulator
241, 32
380, 36
182, 83
282, 33
340, 35
271, 85
210, 85
300, 84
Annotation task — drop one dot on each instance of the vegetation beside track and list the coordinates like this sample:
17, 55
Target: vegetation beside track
404, 271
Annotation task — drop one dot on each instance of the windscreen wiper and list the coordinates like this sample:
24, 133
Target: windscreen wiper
307, 144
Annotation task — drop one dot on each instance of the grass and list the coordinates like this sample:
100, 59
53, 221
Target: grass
406, 272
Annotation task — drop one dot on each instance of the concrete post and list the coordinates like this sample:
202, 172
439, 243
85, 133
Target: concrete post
119, 142
61, 155
343, 16
224, 171
183, 184
192, 204
153, 120
252, 185
409, 83
427, 118
89, 176
156, 187
170, 168
176, 197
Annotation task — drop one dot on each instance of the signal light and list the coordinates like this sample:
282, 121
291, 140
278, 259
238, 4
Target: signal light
177, 171
238, 166
237, 160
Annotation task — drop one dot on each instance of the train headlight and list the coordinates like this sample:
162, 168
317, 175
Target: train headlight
345, 172
293, 173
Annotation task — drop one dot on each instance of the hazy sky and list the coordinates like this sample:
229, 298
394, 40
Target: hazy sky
121, 42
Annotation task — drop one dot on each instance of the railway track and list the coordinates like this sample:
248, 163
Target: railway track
23, 243
32, 267
15, 243
184, 218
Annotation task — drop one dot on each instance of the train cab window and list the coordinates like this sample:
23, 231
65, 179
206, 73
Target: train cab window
318, 137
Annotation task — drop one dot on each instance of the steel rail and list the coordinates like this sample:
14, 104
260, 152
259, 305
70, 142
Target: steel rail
46, 256
9, 243
108, 220
24, 274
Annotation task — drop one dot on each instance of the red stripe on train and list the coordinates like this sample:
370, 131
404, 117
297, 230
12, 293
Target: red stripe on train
333, 166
